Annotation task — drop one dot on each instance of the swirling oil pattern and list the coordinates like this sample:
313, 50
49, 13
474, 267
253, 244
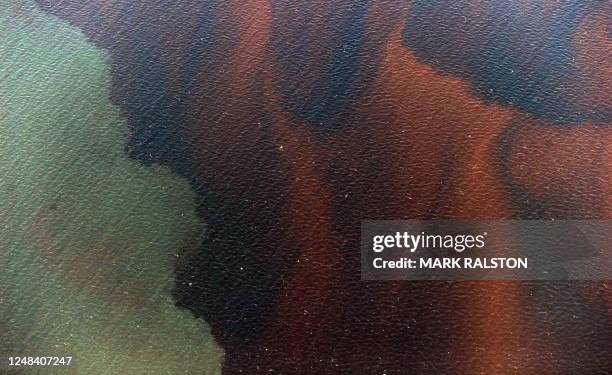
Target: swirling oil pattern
294, 120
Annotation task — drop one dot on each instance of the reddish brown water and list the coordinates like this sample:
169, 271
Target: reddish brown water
294, 121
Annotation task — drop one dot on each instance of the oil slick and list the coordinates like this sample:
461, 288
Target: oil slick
89, 238
247, 99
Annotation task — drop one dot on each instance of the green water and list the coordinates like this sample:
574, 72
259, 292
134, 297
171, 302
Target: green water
88, 237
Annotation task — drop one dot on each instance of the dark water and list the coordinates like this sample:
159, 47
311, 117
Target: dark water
284, 124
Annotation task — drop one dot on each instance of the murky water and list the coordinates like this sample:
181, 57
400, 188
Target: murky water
88, 237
